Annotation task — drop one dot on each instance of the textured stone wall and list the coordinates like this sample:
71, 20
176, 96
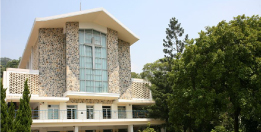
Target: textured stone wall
125, 69
72, 57
16, 83
36, 56
51, 62
112, 61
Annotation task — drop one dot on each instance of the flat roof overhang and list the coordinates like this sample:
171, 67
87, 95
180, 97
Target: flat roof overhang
36, 98
98, 16
90, 95
136, 101
93, 122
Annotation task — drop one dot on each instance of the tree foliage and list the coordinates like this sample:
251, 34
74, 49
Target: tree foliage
11, 117
135, 75
219, 74
8, 63
23, 120
212, 85
148, 129
158, 72
172, 44
4, 113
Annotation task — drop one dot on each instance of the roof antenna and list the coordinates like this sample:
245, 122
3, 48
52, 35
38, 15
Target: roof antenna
80, 5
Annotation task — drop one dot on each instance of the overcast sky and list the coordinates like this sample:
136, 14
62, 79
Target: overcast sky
148, 19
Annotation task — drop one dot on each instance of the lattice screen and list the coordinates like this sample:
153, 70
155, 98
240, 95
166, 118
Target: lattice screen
140, 90
16, 83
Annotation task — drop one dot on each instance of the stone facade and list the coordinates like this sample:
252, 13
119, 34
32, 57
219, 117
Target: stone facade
125, 69
112, 61
90, 101
36, 56
51, 62
72, 57
56, 56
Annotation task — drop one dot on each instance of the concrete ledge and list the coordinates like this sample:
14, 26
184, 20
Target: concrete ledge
35, 98
90, 95
93, 122
136, 101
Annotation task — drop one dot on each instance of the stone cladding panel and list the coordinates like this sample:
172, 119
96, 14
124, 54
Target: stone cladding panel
125, 69
141, 90
51, 62
72, 57
112, 61
16, 83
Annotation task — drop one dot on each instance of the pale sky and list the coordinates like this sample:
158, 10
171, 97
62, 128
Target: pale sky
148, 19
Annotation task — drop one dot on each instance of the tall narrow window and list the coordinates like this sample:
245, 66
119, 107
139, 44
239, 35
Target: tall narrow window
106, 110
89, 110
121, 112
71, 112
93, 61
53, 111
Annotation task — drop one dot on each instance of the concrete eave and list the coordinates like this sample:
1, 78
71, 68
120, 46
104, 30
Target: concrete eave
90, 95
97, 16
35, 98
93, 122
136, 101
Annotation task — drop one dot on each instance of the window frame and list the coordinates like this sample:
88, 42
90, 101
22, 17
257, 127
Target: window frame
93, 71
52, 109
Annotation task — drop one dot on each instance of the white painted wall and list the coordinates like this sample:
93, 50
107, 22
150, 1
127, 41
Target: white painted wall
63, 111
81, 111
114, 111
129, 111
43, 109
130, 128
97, 111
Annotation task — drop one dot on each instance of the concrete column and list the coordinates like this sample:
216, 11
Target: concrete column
114, 111
76, 129
130, 128
97, 111
43, 110
162, 130
81, 111
63, 111
129, 111
43, 130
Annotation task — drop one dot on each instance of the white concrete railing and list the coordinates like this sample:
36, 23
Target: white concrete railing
14, 78
84, 114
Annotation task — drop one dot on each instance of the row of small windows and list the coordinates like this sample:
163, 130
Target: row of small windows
53, 112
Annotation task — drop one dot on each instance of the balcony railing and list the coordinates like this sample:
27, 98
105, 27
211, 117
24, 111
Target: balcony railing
87, 114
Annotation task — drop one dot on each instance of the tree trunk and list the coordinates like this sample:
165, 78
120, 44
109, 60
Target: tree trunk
184, 129
236, 121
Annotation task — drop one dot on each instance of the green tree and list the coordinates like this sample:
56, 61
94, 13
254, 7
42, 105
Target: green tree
11, 117
4, 113
148, 129
8, 63
172, 44
135, 75
157, 72
23, 120
220, 74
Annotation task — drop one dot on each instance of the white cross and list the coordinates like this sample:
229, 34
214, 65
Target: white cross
93, 45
